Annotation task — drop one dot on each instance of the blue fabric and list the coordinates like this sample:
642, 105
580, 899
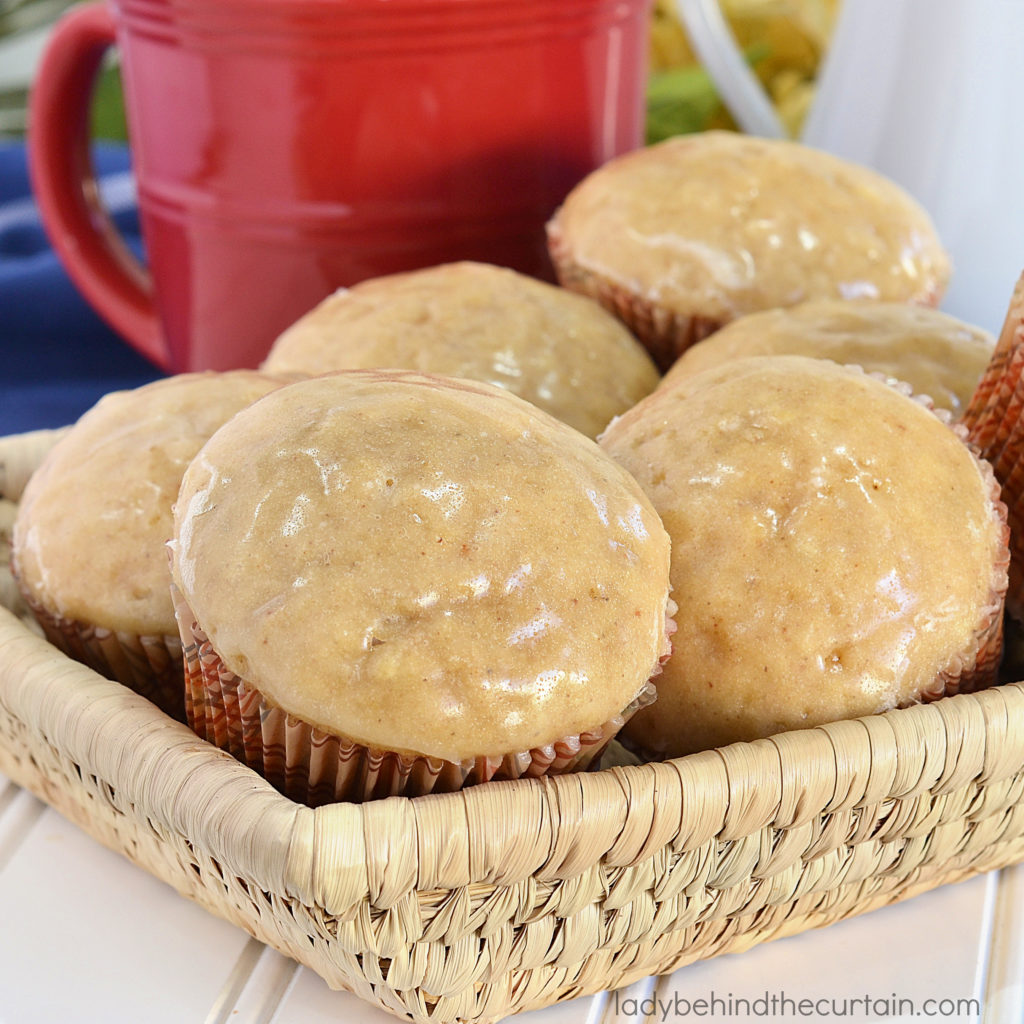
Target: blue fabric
57, 357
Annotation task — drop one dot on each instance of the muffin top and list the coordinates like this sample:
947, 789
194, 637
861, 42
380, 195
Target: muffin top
89, 540
423, 564
556, 349
719, 224
936, 354
836, 547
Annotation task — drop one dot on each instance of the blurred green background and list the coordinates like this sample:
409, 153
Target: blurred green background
783, 40
24, 25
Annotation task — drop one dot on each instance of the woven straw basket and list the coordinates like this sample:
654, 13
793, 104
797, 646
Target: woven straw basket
475, 905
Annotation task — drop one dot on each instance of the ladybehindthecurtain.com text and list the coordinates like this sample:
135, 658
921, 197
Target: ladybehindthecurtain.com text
781, 1005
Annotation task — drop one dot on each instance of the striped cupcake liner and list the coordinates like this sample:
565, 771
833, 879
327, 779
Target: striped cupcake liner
315, 767
988, 413
994, 424
665, 334
151, 666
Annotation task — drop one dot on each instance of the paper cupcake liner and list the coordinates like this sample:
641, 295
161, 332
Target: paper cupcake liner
665, 334
994, 422
988, 406
149, 665
995, 404
995, 428
314, 767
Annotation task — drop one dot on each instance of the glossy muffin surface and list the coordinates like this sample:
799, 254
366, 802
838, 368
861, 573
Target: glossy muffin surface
935, 353
423, 564
94, 520
685, 236
837, 550
559, 350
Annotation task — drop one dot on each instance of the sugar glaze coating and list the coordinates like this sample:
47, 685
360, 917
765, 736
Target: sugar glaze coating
423, 564
836, 548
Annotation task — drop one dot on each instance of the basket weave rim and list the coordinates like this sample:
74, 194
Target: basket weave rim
338, 855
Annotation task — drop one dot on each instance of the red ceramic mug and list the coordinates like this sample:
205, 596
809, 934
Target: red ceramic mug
284, 148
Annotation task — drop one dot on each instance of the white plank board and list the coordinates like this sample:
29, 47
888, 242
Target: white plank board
1004, 992
88, 937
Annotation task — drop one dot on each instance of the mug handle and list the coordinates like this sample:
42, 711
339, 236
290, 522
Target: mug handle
715, 46
81, 231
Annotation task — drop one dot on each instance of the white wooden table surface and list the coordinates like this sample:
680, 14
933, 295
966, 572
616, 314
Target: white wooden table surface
86, 937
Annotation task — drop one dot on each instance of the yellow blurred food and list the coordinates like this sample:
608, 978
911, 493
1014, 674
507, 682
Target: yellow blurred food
784, 40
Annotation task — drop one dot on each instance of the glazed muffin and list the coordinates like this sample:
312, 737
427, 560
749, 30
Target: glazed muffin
401, 583
683, 237
935, 353
837, 550
556, 349
88, 545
